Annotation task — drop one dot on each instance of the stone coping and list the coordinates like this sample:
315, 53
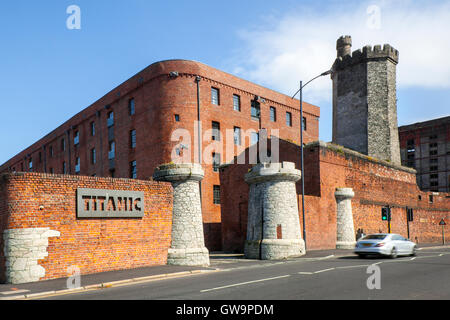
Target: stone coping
179, 171
262, 172
346, 151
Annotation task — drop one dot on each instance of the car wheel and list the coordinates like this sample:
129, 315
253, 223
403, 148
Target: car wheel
394, 253
414, 251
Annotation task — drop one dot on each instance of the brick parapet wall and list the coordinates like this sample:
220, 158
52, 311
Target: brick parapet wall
32, 200
327, 167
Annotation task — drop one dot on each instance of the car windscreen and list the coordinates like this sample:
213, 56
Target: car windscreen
374, 237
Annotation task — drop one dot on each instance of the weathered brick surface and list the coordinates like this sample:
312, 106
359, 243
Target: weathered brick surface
327, 167
33, 200
158, 98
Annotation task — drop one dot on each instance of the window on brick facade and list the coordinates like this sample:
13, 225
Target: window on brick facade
133, 170
216, 161
133, 139
76, 138
131, 107
254, 138
216, 194
273, 114
215, 99
112, 150
92, 128
304, 124
93, 156
77, 165
289, 119
255, 110
215, 131
52, 171
110, 119
50, 150
177, 118
30, 164
64, 168
63, 144
237, 136
236, 102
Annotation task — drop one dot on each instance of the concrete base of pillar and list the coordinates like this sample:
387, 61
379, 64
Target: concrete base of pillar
274, 249
347, 245
188, 257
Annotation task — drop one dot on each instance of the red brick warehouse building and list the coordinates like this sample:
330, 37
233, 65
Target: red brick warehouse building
127, 133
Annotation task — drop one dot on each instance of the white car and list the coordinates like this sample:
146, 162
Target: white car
386, 244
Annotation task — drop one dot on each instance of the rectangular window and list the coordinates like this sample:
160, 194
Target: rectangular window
236, 102
110, 120
433, 152
216, 194
289, 119
93, 156
131, 107
64, 168
216, 161
433, 168
273, 114
77, 165
30, 164
255, 110
237, 136
63, 144
434, 161
215, 131
133, 139
215, 96
76, 138
304, 124
92, 128
51, 151
133, 170
112, 150
52, 171
254, 138
434, 176
177, 118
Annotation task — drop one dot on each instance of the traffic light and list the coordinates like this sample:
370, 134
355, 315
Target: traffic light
386, 214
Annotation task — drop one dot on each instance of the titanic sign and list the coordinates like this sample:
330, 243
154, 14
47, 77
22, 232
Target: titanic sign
98, 203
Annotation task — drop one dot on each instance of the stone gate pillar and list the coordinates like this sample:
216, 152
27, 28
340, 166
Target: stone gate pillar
188, 242
344, 219
273, 229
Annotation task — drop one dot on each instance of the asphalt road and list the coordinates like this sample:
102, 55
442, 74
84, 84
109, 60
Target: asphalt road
426, 276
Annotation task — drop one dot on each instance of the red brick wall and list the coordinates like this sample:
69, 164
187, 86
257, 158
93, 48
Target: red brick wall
158, 98
94, 245
376, 184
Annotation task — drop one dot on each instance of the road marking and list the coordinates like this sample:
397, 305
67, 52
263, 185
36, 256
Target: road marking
357, 266
244, 283
305, 272
325, 270
5, 293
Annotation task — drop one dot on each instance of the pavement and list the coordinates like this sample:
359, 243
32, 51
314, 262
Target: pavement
219, 262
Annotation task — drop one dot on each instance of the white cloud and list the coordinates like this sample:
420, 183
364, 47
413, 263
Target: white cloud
302, 44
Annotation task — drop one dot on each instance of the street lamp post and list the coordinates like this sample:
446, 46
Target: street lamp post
301, 145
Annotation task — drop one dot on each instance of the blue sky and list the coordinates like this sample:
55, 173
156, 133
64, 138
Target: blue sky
49, 73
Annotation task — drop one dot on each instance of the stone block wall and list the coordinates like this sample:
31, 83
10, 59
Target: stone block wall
42, 237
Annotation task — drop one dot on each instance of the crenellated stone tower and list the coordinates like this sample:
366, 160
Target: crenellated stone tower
365, 100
